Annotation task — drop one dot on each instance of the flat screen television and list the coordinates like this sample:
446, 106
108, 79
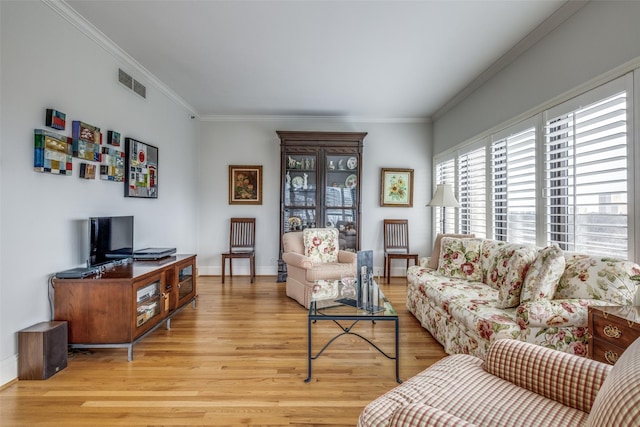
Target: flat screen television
110, 239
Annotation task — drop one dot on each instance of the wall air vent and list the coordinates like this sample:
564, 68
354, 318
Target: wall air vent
131, 83
125, 79
139, 89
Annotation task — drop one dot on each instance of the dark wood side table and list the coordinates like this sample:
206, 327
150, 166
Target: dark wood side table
612, 329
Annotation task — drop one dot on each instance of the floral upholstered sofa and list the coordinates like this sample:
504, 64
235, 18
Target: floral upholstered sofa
484, 290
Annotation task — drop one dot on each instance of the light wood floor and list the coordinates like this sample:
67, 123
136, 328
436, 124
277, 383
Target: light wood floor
238, 358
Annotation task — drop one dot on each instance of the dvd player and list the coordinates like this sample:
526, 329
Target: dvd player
153, 253
77, 273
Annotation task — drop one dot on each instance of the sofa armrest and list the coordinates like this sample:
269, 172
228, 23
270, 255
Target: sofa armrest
420, 414
566, 378
347, 257
297, 260
555, 313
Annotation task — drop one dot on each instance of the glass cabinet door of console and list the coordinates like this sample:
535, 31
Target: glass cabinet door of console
147, 302
185, 282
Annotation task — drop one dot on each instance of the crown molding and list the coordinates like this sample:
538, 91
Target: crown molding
345, 119
563, 13
99, 38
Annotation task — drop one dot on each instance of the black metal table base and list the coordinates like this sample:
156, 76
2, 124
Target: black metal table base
348, 331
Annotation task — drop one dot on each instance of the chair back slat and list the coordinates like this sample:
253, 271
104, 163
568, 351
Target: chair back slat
242, 233
396, 235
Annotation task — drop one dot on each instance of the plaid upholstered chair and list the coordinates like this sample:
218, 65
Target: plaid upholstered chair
518, 384
311, 255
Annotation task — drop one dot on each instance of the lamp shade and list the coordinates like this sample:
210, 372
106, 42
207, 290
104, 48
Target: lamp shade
444, 197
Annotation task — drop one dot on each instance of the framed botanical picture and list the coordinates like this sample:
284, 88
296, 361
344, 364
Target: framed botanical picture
396, 187
245, 185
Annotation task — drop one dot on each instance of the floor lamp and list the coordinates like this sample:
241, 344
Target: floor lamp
444, 198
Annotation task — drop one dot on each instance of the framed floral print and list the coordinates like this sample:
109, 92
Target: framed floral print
396, 187
245, 185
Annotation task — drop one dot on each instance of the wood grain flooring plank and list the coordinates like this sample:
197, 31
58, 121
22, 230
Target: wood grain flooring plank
238, 359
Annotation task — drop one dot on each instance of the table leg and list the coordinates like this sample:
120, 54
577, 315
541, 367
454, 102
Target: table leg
398, 380
308, 351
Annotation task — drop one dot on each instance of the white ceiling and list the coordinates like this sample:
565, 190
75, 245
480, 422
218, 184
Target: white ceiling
367, 59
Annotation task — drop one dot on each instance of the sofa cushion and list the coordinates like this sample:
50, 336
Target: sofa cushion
509, 268
421, 414
460, 258
435, 254
487, 254
471, 304
600, 278
321, 244
543, 275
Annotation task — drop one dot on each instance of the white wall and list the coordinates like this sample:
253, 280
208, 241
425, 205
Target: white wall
48, 63
255, 142
600, 37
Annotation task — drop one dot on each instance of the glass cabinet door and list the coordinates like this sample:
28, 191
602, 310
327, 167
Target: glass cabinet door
300, 192
185, 282
147, 302
340, 201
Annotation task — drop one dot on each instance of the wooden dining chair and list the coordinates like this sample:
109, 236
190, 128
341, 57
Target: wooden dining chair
242, 240
396, 244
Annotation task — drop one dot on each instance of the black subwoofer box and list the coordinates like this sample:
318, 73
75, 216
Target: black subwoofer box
42, 350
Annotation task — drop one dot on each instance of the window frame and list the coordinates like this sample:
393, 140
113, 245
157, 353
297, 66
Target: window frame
627, 82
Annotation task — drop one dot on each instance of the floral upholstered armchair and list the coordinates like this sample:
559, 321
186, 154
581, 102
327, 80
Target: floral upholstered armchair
312, 255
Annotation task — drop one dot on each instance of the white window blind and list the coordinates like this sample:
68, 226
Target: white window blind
472, 194
446, 217
585, 174
513, 179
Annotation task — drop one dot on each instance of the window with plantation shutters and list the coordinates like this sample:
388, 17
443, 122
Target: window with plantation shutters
562, 176
513, 189
445, 217
472, 194
585, 172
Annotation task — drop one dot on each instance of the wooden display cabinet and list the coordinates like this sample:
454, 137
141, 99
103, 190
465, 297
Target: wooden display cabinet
125, 302
320, 185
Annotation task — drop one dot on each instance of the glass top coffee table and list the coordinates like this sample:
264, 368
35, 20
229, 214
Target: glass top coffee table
333, 301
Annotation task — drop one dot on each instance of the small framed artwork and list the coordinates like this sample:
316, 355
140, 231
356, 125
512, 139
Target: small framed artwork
87, 171
113, 138
86, 141
141, 169
112, 165
53, 153
245, 185
396, 187
55, 119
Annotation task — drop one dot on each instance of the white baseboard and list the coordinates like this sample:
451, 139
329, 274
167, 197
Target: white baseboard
8, 369
210, 270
